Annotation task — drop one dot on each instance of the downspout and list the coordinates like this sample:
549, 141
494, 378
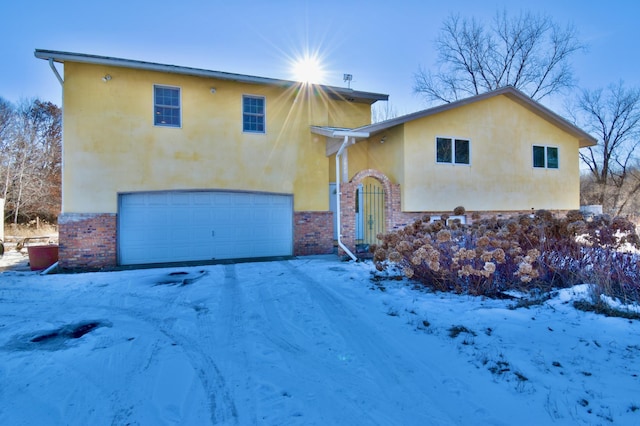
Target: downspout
55, 71
340, 243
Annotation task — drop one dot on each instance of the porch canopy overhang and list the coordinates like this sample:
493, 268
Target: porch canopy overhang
336, 136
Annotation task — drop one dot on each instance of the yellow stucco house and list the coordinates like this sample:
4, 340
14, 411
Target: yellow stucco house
164, 163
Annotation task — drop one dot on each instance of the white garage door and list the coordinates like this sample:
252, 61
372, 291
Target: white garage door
177, 226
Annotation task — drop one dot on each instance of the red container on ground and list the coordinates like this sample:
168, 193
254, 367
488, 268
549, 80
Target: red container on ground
41, 257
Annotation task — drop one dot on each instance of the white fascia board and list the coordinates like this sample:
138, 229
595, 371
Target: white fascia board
349, 133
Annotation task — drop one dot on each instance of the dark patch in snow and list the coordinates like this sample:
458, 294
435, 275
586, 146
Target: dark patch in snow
181, 278
377, 278
55, 339
604, 309
456, 330
500, 367
71, 331
521, 377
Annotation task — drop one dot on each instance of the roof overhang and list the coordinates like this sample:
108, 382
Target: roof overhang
584, 138
339, 93
336, 136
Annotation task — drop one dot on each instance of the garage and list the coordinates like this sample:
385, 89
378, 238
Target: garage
186, 226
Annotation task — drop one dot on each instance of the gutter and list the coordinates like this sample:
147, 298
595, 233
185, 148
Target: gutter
61, 80
334, 92
345, 143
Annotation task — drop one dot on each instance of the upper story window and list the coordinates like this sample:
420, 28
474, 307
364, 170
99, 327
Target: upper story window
452, 151
166, 106
253, 109
545, 157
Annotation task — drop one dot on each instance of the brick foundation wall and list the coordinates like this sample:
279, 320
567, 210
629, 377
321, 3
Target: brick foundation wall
312, 233
87, 241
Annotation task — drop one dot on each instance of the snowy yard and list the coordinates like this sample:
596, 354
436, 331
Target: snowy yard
310, 341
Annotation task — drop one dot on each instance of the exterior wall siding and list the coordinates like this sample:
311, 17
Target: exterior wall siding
112, 145
500, 175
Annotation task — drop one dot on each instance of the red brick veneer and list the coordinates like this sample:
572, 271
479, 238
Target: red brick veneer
87, 241
312, 233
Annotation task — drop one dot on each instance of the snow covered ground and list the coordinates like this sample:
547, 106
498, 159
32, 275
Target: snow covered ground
310, 341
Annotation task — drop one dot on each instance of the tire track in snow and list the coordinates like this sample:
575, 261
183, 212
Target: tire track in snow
411, 379
162, 314
312, 381
201, 352
336, 370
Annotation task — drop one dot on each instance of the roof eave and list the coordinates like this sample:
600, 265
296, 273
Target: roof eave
339, 93
585, 139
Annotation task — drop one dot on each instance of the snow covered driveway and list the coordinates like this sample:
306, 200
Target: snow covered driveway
310, 341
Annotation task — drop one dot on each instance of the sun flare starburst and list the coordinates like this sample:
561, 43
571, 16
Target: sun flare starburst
308, 69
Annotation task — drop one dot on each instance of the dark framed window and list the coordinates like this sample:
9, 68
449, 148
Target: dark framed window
461, 151
552, 157
444, 150
253, 114
452, 151
545, 157
166, 106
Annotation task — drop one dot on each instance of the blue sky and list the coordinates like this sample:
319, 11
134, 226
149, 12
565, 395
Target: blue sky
381, 43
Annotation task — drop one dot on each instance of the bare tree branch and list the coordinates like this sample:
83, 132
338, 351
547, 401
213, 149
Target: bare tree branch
527, 51
31, 160
614, 116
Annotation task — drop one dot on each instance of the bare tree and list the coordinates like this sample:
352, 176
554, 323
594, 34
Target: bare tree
530, 52
7, 113
614, 163
382, 112
31, 161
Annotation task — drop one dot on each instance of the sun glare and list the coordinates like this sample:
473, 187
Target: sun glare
308, 70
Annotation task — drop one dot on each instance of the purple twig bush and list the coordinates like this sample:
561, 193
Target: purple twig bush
527, 253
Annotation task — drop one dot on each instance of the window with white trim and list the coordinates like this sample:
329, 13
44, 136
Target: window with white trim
545, 157
166, 106
452, 151
253, 114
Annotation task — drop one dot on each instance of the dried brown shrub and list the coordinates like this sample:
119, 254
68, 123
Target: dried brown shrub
459, 211
537, 251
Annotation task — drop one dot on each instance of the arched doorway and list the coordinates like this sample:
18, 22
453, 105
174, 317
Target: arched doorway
369, 210
365, 209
